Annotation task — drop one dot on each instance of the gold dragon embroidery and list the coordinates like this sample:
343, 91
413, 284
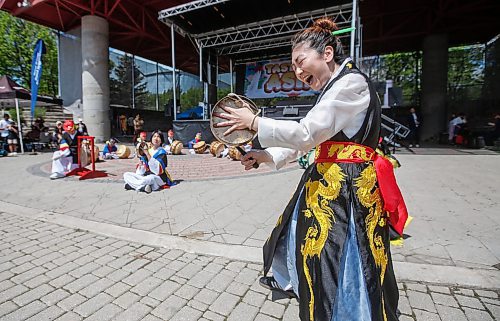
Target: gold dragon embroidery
318, 195
348, 152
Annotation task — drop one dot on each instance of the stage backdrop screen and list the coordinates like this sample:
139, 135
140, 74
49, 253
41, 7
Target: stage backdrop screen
273, 78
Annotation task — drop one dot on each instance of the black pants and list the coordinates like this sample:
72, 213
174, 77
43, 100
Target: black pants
415, 136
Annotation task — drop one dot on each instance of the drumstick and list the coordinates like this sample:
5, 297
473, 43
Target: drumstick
242, 151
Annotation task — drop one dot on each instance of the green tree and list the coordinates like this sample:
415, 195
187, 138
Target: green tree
191, 98
222, 92
465, 72
399, 67
17, 43
121, 84
164, 98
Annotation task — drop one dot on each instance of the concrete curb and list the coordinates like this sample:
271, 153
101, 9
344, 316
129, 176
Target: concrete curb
230, 251
405, 272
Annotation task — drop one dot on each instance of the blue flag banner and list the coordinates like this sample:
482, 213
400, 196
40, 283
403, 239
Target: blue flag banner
36, 73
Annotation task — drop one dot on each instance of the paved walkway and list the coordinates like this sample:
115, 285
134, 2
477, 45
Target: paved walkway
50, 272
89, 249
453, 198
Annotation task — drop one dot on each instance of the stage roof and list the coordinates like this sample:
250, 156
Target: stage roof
387, 25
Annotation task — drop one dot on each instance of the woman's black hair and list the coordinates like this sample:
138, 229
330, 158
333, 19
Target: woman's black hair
160, 133
318, 36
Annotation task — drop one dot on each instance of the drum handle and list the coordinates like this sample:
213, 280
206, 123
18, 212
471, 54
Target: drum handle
242, 151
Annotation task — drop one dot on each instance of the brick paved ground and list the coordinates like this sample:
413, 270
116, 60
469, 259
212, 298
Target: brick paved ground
50, 272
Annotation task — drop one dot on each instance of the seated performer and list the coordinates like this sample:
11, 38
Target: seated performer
109, 150
66, 158
170, 140
151, 173
196, 139
141, 138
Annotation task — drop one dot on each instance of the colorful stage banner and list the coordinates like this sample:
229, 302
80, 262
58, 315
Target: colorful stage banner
274, 78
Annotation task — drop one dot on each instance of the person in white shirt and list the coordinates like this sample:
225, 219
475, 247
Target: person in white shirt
170, 140
4, 127
453, 125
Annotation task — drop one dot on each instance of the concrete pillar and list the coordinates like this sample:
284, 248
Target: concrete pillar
95, 77
434, 85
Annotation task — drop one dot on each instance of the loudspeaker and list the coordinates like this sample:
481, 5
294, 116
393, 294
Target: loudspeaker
395, 96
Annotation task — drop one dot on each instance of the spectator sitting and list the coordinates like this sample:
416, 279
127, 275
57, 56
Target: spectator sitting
39, 124
461, 130
82, 128
454, 126
58, 132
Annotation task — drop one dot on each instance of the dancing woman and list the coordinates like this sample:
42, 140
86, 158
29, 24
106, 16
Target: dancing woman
330, 247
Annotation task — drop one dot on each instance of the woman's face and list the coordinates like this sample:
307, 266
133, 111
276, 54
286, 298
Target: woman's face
156, 140
312, 67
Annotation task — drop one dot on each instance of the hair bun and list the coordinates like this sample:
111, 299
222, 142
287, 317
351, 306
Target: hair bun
325, 23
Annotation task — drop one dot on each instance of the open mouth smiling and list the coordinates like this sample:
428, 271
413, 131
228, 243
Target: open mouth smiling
308, 79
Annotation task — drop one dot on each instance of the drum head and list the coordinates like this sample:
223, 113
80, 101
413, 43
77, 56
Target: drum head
123, 151
238, 137
200, 144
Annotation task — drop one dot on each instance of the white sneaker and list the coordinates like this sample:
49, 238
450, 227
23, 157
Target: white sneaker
148, 189
411, 145
417, 145
56, 175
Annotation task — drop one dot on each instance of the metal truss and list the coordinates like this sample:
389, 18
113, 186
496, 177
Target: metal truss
259, 45
243, 61
277, 27
254, 46
190, 6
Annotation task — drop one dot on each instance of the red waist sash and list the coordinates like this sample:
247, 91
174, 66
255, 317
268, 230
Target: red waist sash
347, 152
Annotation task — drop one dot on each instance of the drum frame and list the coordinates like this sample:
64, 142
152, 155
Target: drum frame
173, 148
197, 149
236, 98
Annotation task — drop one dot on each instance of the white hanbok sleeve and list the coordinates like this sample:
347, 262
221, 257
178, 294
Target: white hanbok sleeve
141, 169
154, 165
338, 107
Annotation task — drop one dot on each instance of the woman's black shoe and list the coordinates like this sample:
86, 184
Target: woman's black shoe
128, 187
270, 283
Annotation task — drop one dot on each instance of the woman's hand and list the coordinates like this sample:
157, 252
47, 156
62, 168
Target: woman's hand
237, 118
255, 156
